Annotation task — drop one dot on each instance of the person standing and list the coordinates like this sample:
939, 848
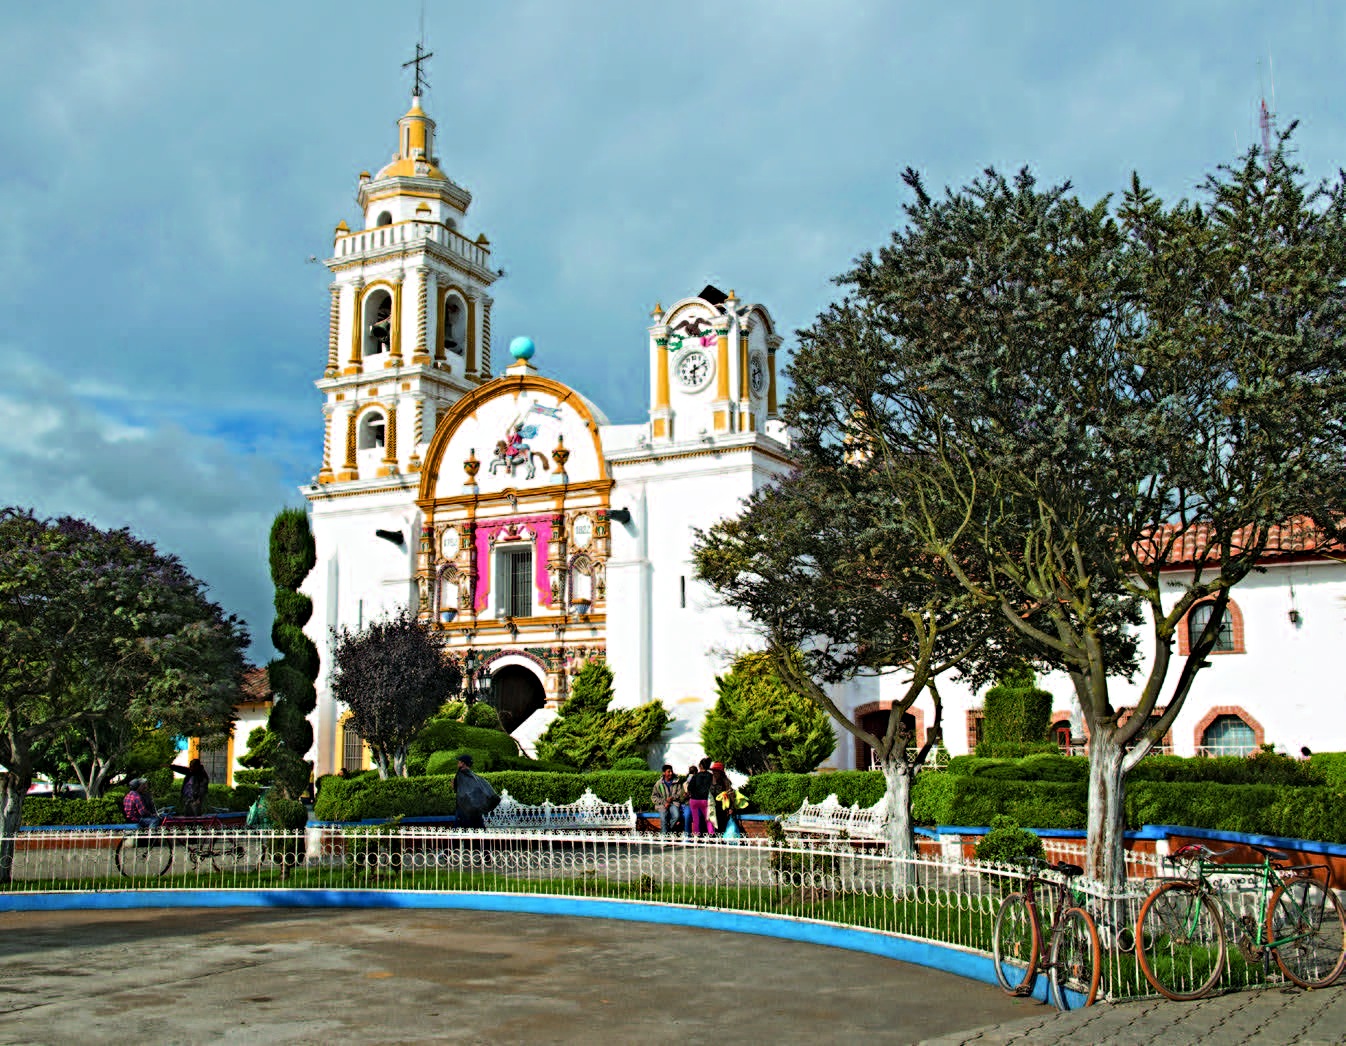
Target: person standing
724, 799
668, 796
195, 783
686, 804
475, 796
698, 794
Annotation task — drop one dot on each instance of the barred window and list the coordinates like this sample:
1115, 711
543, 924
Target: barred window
216, 761
352, 749
518, 577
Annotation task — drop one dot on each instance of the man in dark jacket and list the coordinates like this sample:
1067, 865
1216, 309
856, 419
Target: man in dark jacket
475, 796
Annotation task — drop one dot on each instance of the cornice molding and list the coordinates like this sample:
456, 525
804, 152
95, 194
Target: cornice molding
445, 189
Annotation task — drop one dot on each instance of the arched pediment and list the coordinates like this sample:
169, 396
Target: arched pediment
515, 423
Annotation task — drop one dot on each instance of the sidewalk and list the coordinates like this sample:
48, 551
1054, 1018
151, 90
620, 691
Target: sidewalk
1268, 1017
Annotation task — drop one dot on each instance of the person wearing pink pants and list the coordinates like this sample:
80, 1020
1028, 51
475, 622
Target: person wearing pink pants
698, 795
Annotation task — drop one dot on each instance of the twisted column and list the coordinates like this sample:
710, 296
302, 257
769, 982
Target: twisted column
422, 304
333, 327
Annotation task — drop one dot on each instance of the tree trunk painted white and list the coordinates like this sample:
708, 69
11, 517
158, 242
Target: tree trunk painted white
897, 807
1106, 851
12, 791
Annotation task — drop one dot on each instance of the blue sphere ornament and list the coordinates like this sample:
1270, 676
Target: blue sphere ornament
522, 348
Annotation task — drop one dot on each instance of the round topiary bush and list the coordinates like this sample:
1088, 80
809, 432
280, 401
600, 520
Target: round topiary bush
1007, 843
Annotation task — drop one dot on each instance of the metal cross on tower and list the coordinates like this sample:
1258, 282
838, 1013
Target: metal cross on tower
421, 82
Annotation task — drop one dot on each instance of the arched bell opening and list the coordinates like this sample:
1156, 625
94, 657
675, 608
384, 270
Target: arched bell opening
378, 310
371, 436
454, 325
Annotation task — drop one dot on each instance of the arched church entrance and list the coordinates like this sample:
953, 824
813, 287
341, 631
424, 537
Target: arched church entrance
518, 694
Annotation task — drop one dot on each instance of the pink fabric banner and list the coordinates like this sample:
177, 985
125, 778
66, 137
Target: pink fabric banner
540, 527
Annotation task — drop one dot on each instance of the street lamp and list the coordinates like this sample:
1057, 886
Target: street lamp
470, 664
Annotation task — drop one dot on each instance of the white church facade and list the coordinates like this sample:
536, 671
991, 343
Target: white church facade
525, 529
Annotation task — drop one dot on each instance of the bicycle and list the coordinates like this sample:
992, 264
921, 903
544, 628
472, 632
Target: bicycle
1181, 928
148, 852
1075, 959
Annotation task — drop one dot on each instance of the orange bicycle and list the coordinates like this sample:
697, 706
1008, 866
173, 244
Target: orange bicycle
1075, 958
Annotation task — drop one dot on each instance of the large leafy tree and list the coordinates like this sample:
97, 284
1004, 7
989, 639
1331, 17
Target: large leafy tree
393, 676
761, 726
839, 591
1070, 399
101, 637
588, 735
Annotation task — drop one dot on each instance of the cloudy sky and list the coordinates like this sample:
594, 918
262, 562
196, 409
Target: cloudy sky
168, 170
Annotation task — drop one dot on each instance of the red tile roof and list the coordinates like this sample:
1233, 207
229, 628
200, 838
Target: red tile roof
1298, 539
256, 686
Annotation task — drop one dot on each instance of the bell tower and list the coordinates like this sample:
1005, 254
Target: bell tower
409, 323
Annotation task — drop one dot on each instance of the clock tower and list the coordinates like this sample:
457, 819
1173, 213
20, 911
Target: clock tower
712, 368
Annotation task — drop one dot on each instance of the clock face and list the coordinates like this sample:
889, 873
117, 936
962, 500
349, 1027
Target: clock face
584, 531
448, 544
694, 369
756, 373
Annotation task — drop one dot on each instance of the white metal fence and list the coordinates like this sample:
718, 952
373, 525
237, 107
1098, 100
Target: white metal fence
942, 900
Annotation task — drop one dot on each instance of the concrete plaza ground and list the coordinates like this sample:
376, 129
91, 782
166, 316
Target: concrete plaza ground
280, 975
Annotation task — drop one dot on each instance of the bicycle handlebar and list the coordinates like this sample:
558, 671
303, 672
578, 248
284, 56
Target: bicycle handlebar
1194, 851
1063, 867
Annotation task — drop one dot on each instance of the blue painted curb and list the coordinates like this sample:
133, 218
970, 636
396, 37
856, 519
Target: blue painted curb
962, 962
1276, 842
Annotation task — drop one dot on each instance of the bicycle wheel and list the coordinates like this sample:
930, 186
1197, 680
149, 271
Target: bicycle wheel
1180, 941
1076, 961
1015, 944
144, 856
236, 853
1311, 915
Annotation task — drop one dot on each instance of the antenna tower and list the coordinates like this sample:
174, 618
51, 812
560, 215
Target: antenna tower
1266, 119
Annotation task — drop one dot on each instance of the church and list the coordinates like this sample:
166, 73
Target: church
532, 535
525, 529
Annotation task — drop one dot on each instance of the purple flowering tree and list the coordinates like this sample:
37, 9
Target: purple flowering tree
104, 637
392, 675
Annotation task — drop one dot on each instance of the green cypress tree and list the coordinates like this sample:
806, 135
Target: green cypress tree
292, 675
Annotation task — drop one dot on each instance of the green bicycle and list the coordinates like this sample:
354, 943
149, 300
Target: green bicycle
1181, 930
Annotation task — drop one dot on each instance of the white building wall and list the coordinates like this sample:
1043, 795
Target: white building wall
1290, 678
358, 578
668, 637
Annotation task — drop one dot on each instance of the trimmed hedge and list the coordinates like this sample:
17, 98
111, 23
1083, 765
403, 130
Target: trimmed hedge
1330, 769
974, 791
446, 735
785, 793
1263, 768
368, 797
1041, 767
1298, 813
41, 810
976, 801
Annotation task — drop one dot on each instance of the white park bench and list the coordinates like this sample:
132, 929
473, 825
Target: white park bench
829, 819
588, 813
